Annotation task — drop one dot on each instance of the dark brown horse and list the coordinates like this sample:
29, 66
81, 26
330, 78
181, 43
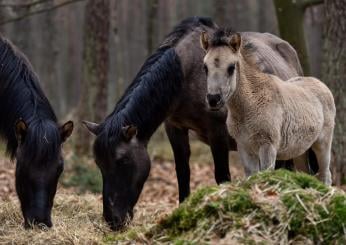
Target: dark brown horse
171, 88
33, 137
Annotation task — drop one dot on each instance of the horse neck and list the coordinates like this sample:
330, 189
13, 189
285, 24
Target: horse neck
149, 100
250, 88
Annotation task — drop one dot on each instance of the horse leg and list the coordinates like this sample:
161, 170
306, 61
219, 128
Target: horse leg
301, 163
179, 139
307, 162
267, 156
312, 162
250, 161
218, 142
322, 149
286, 164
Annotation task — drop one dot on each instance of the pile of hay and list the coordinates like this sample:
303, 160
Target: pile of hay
278, 207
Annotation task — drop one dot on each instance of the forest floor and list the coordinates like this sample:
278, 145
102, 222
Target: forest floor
77, 212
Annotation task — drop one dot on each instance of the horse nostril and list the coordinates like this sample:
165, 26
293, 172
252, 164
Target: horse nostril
213, 99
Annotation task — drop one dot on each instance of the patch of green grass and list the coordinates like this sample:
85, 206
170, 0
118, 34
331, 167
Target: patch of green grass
83, 176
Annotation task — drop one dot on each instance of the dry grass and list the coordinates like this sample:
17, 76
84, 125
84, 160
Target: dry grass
259, 210
77, 218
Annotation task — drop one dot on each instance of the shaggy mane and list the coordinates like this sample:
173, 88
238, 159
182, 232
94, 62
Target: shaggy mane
22, 97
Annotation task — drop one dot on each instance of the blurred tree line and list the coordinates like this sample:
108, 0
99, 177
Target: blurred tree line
54, 40
86, 52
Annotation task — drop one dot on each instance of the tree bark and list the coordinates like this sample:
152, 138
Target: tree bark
334, 75
152, 9
93, 102
290, 15
220, 12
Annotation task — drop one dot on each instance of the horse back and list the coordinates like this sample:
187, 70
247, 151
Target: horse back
318, 90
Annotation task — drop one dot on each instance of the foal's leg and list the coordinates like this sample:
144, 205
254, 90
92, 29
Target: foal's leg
267, 157
218, 141
250, 161
322, 148
179, 139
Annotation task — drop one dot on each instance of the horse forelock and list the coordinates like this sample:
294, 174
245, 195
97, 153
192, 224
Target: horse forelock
221, 37
41, 144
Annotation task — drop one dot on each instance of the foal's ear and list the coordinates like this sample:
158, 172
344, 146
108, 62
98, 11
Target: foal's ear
129, 131
21, 129
204, 40
66, 130
235, 42
92, 127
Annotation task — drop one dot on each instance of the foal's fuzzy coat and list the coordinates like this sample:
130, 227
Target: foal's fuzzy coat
270, 119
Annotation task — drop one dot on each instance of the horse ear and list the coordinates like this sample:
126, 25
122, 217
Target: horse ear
204, 40
66, 130
92, 127
129, 131
235, 42
21, 129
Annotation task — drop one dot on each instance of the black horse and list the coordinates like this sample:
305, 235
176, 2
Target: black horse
29, 127
171, 87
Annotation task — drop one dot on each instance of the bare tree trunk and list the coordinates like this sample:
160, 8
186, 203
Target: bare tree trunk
220, 13
49, 51
290, 15
152, 8
93, 103
334, 75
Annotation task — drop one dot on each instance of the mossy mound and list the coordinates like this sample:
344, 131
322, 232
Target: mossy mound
276, 207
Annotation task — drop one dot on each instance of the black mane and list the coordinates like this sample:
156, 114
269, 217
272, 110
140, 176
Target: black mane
221, 37
22, 97
148, 99
184, 27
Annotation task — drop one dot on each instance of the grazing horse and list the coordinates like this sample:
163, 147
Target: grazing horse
171, 87
29, 127
269, 119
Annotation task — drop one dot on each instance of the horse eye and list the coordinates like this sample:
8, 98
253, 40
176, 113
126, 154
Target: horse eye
123, 160
230, 70
205, 68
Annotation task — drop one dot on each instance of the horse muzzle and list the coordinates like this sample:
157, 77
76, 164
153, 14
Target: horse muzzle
117, 222
214, 101
37, 219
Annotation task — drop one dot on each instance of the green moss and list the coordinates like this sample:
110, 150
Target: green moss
286, 180
271, 206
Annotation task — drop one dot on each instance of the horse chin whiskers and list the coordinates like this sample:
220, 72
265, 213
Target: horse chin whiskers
217, 107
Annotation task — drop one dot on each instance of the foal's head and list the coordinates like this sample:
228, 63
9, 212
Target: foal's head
125, 164
220, 63
39, 165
